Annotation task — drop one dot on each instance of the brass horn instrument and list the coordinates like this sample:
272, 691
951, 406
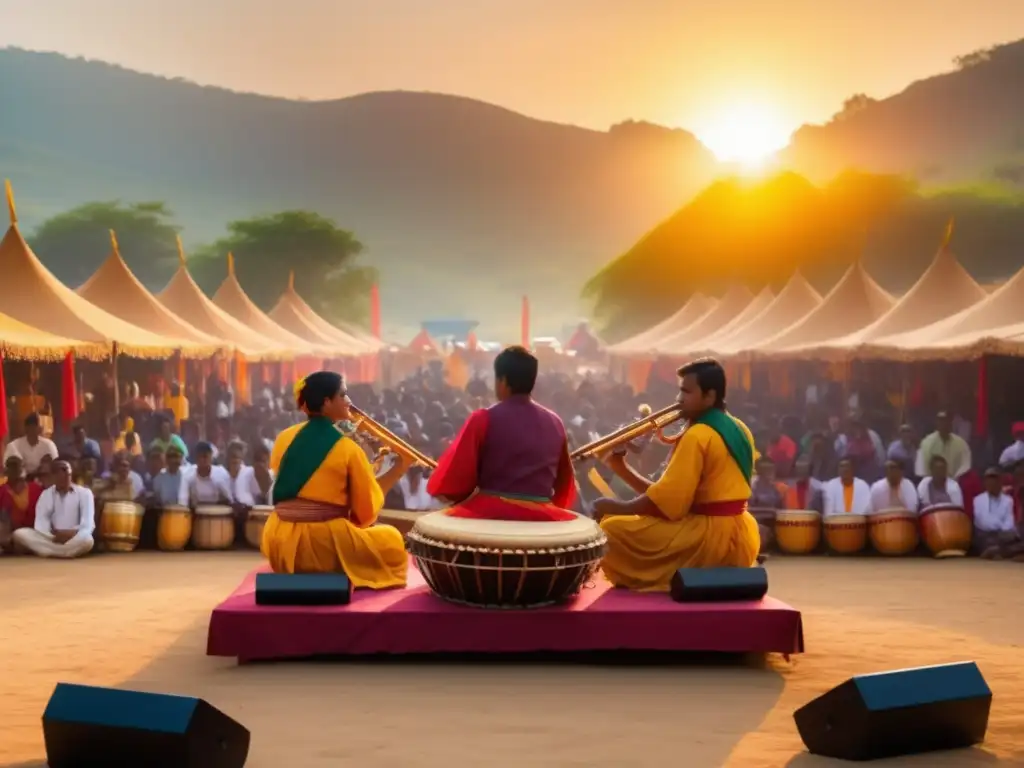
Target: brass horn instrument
378, 431
648, 422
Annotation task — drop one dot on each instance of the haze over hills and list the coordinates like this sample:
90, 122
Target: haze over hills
462, 205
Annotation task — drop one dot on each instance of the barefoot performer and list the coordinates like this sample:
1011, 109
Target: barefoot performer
695, 516
510, 461
326, 497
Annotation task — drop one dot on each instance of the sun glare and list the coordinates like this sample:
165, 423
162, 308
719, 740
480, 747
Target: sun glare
747, 134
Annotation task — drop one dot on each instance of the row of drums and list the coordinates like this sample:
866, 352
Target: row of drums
945, 528
210, 527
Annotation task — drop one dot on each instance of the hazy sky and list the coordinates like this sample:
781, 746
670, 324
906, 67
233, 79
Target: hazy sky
590, 62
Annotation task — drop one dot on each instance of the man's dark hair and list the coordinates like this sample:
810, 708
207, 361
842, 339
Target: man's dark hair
710, 375
518, 367
203, 448
32, 420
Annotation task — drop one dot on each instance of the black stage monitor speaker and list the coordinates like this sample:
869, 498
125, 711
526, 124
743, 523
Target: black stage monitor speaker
905, 712
691, 585
303, 589
88, 727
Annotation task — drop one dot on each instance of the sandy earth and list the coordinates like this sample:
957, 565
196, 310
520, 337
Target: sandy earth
139, 621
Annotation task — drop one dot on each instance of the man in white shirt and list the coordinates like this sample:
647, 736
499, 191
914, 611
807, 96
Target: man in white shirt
65, 519
939, 487
32, 447
205, 483
996, 536
893, 491
414, 491
847, 494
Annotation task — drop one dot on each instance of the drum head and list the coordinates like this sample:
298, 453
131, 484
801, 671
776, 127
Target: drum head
507, 534
123, 508
894, 512
213, 510
942, 508
845, 519
797, 515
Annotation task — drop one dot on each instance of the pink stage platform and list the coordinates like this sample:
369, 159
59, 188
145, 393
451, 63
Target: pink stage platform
415, 621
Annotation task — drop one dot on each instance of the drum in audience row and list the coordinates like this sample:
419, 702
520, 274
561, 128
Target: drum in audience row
947, 530
893, 531
173, 528
797, 531
505, 564
120, 525
846, 534
255, 523
214, 527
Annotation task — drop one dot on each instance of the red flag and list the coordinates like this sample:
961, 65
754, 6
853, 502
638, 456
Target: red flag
4, 425
69, 392
375, 311
525, 323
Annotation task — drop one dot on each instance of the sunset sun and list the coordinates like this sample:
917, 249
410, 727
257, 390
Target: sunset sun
744, 133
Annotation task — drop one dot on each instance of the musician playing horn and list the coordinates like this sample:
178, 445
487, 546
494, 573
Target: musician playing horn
695, 516
509, 461
326, 498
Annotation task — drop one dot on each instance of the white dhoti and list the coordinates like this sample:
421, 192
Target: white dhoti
45, 545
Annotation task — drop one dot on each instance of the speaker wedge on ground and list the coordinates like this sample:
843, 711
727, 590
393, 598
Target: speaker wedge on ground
902, 712
85, 726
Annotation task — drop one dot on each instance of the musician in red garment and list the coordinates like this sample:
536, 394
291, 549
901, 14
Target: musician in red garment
510, 461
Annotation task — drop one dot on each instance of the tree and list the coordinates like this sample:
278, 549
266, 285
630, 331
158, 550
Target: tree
856, 103
73, 244
267, 248
974, 58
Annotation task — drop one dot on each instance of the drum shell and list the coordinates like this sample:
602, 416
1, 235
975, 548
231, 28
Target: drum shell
846, 534
893, 532
213, 528
797, 532
493, 578
254, 525
173, 528
947, 530
120, 525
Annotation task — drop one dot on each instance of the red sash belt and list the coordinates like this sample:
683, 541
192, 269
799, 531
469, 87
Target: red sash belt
720, 508
308, 511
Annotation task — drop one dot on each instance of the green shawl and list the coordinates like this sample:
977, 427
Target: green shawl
735, 439
308, 450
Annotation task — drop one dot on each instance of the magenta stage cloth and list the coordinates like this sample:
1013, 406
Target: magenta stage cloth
415, 621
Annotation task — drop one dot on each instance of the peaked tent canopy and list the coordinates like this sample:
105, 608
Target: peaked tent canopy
760, 303
232, 299
1000, 309
294, 314
183, 297
35, 297
795, 300
423, 343
693, 310
22, 342
734, 302
854, 302
944, 289
116, 290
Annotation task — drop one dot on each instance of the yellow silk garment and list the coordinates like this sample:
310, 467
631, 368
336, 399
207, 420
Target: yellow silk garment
644, 552
371, 555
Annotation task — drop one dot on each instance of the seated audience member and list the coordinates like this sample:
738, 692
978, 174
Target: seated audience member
166, 438
205, 482
65, 519
1014, 453
996, 537
939, 487
262, 477
847, 494
413, 487
805, 492
766, 493
124, 484
167, 485
18, 499
32, 448
894, 491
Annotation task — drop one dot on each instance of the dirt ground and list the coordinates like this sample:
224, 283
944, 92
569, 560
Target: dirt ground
140, 621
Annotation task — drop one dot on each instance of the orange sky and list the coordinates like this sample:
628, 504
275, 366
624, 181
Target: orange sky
590, 62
